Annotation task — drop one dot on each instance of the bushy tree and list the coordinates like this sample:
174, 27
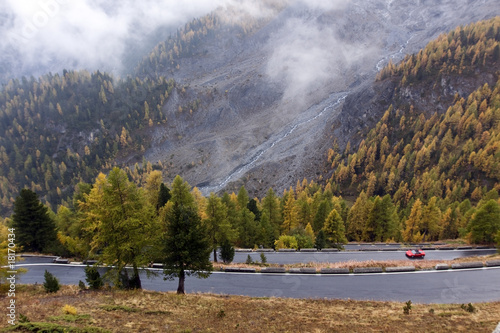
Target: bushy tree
51, 283
123, 225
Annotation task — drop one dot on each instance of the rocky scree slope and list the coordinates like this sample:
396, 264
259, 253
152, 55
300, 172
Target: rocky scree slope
269, 97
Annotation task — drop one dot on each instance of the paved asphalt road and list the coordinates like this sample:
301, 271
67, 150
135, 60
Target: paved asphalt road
453, 286
305, 257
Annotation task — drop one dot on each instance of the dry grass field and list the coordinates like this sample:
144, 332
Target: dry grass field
146, 311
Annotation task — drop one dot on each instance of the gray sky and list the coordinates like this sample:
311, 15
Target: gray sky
87, 33
112, 35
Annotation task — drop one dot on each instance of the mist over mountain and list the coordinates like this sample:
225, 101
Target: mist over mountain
51, 35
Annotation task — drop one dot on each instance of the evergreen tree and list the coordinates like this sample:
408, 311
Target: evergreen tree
243, 198
290, 218
324, 209
411, 233
252, 206
266, 236
334, 229
380, 224
152, 188
357, 217
485, 224
270, 205
35, 230
448, 223
163, 196
51, 283
216, 222
247, 228
431, 217
123, 223
93, 277
227, 252
309, 233
186, 247
320, 242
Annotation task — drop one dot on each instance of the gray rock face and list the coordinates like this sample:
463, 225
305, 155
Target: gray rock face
269, 99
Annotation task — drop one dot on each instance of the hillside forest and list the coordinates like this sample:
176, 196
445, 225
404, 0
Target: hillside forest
417, 175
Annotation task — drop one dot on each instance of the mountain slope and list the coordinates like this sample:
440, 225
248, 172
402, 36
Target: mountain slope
249, 101
58, 130
269, 94
439, 137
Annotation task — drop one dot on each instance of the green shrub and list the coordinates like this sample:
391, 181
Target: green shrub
469, 308
226, 252
82, 285
93, 277
221, 314
263, 258
23, 318
51, 283
286, 242
407, 307
249, 260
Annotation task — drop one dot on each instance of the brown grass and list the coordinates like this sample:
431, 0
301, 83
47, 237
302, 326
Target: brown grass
146, 311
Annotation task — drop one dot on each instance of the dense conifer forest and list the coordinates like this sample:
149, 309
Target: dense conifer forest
418, 175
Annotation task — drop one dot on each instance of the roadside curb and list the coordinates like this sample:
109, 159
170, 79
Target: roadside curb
60, 261
304, 270
474, 264
334, 271
400, 269
493, 263
442, 267
273, 270
239, 270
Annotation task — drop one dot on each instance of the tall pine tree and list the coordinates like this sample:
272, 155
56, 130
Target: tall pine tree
186, 246
35, 230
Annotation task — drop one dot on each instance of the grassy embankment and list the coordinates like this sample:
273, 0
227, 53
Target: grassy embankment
146, 311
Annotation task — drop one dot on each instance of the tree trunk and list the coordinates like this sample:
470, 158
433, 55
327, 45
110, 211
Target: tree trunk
182, 277
215, 254
137, 279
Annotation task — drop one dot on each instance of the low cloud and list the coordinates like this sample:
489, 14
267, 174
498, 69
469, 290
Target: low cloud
94, 34
50, 35
302, 56
307, 54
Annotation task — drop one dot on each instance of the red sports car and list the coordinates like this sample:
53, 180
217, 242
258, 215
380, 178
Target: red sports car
414, 254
